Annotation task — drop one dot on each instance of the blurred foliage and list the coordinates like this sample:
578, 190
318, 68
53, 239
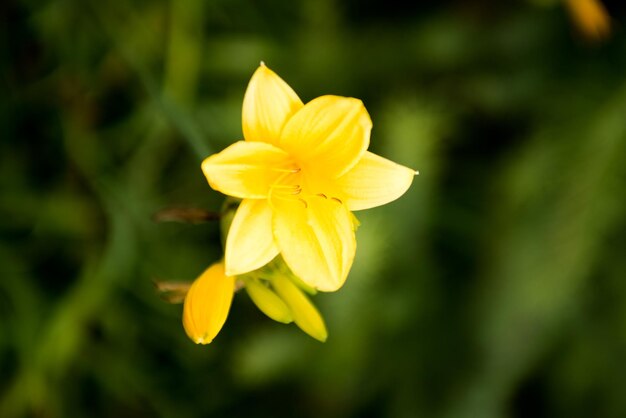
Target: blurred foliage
494, 288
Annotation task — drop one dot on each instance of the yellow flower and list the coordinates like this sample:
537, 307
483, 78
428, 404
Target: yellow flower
207, 304
301, 170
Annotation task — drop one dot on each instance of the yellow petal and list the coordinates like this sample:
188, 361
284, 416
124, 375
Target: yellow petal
328, 135
316, 240
250, 243
207, 304
267, 301
305, 314
374, 181
267, 105
245, 169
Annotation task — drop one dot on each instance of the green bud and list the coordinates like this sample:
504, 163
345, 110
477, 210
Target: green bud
267, 301
305, 314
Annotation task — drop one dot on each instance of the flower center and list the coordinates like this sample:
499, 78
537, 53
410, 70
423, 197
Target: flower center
288, 184
291, 185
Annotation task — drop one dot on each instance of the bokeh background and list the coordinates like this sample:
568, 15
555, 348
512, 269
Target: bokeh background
496, 287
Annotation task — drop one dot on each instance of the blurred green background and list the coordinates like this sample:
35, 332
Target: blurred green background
496, 287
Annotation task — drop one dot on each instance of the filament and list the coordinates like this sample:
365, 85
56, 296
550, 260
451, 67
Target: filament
286, 170
286, 189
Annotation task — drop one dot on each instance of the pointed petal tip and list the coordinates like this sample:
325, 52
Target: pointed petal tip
330, 287
268, 103
233, 271
202, 341
373, 182
320, 335
417, 173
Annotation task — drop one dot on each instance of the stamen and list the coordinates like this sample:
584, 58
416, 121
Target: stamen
285, 197
337, 200
322, 195
286, 188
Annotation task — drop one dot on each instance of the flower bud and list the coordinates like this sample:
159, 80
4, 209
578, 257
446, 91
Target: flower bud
305, 314
267, 301
207, 304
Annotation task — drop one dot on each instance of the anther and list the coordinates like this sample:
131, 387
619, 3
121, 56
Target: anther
296, 191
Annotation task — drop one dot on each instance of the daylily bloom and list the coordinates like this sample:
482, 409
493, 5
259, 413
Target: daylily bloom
301, 170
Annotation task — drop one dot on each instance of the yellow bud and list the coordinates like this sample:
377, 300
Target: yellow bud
267, 301
305, 314
207, 304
